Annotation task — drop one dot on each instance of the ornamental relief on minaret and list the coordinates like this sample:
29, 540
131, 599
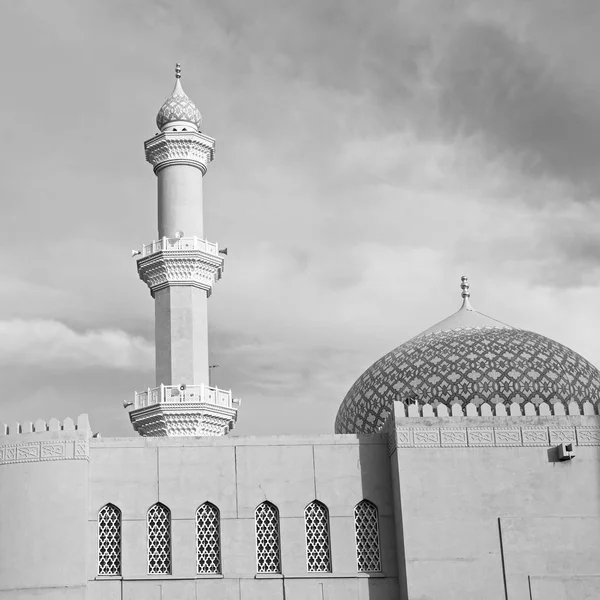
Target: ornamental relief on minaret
163, 268
172, 146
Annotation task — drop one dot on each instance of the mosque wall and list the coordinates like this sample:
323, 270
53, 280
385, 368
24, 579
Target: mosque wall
490, 510
44, 483
486, 510
237, 474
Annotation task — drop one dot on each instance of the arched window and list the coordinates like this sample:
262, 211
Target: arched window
268, 551
366, 526
318, 547
109, 540
208, 539
159, 539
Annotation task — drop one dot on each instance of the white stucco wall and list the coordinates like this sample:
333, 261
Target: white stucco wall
479, 518
43, 534
236, 474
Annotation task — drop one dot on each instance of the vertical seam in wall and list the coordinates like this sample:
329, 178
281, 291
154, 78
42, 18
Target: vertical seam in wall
157, 475
88, 503
400, 539
502, 559
237, 508
314, 471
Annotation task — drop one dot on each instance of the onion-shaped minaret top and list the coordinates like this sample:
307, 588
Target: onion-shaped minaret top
178, 110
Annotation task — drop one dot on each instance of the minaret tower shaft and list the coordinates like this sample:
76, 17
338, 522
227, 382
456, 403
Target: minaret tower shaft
180, 269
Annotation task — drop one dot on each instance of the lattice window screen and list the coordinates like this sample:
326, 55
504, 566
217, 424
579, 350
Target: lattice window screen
109, 540
268, 554
208, 539
366, 524
318, 549
159, 540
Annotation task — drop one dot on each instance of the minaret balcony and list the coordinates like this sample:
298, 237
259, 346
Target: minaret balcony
181, 243
191, 394
184, 410
180, 261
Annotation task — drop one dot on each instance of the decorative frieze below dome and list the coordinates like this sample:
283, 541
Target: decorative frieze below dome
498, 436
180, 267
180, 148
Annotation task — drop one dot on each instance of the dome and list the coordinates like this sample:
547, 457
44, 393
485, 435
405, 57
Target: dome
178, 108
468, 357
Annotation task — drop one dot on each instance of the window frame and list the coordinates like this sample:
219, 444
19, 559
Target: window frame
375, 516
277, 533
111, 506
326, 534
217, 518
170, 540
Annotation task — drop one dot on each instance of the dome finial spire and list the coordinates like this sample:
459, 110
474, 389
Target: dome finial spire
464, 285
177, 70
466, 294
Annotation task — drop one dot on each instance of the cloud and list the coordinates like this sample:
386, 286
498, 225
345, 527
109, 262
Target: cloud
493, 82
368, 155
47, 344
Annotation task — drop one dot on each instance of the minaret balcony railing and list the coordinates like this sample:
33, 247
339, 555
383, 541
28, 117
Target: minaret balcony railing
182, 243
189, 394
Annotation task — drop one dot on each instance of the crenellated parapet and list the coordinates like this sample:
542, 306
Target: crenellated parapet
513, 409
81, 424
45, 440
422, 427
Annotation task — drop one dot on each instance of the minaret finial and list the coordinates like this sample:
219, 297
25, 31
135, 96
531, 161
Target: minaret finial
177, 71
464, 286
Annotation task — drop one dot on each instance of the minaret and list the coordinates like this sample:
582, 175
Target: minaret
180, 269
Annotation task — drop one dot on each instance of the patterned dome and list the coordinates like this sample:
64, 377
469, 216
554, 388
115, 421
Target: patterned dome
468, 357
178, 107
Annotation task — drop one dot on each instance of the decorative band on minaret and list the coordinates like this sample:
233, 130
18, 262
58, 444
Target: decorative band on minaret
181, 268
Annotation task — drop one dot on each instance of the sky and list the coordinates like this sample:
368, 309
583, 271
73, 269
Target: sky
368, 154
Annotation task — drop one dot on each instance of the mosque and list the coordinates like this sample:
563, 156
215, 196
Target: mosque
465, 463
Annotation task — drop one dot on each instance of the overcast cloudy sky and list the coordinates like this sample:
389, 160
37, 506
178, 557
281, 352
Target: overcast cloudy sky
368, 155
